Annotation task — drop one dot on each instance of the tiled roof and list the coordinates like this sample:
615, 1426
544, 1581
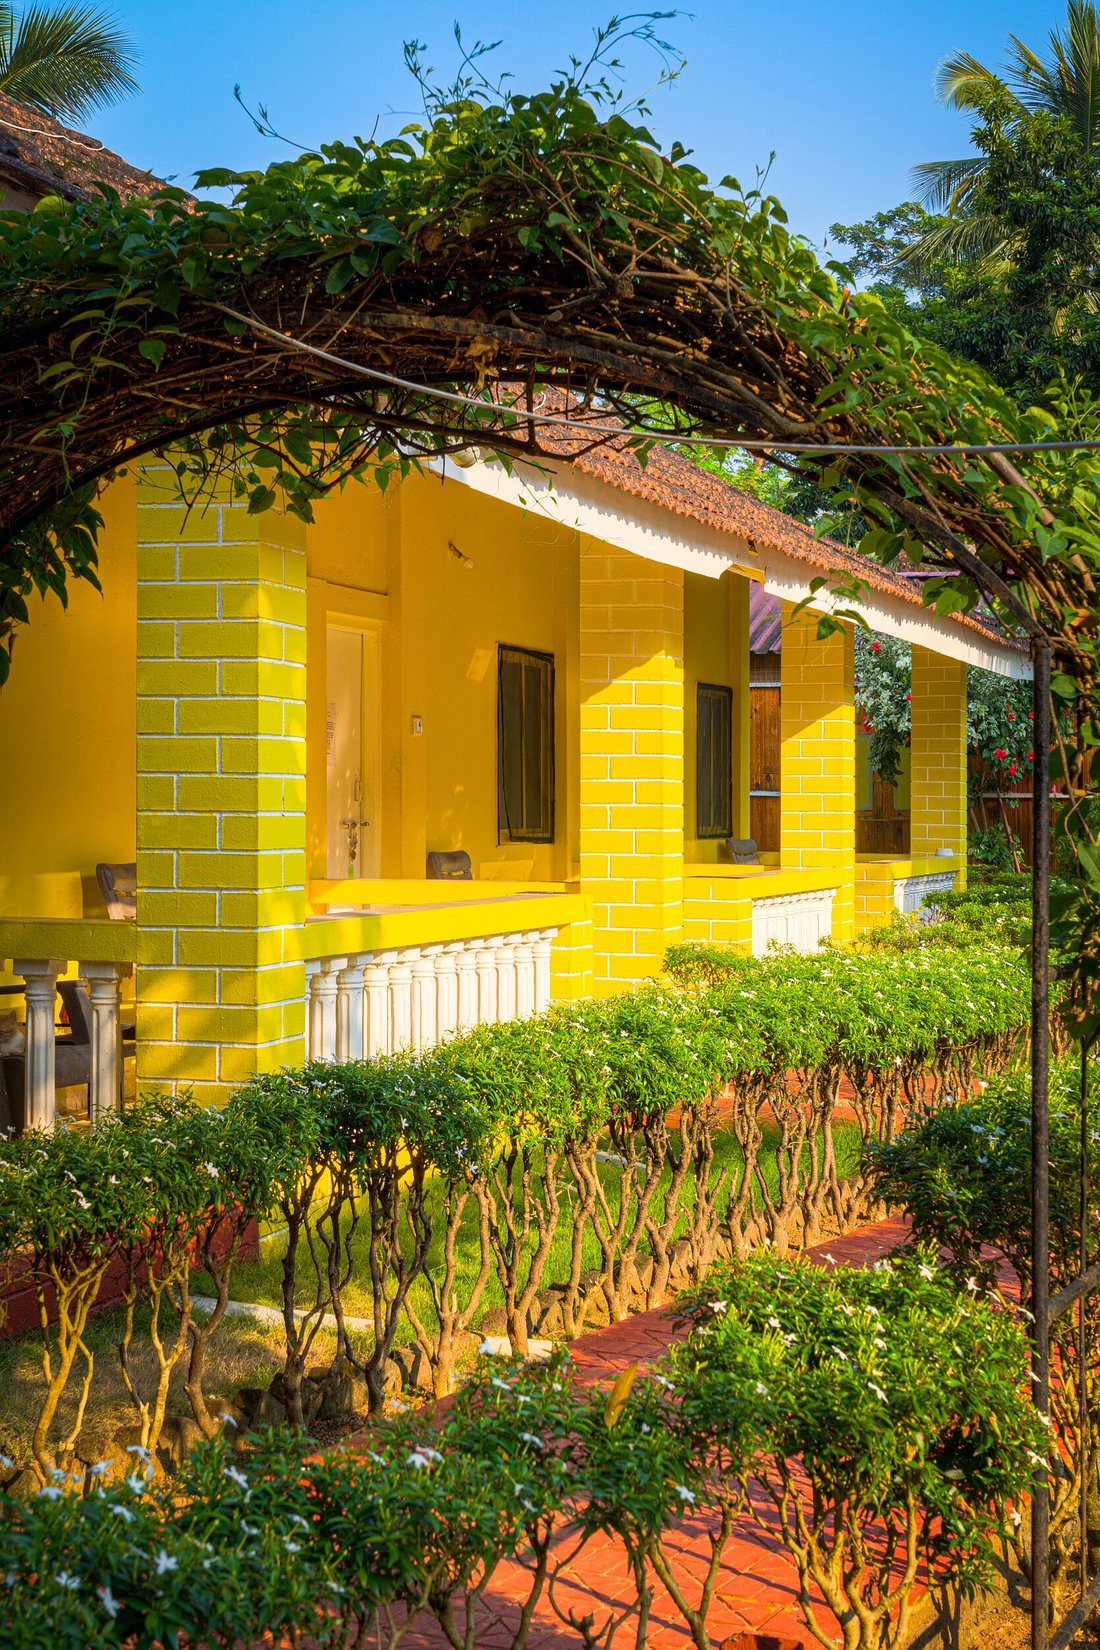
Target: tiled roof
39, 156
671, 480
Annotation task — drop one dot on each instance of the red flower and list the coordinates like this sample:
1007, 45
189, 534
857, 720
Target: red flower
1000, 754
1012, 716
908, 696
1031, 716
1015, 768
1031, 756
876, 647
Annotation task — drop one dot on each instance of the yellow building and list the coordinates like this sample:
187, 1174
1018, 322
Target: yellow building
543, 670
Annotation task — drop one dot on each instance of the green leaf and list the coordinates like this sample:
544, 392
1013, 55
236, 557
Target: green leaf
152, 349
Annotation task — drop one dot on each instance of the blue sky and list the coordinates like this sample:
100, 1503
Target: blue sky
842, 92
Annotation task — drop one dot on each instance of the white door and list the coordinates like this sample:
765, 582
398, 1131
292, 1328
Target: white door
351, 753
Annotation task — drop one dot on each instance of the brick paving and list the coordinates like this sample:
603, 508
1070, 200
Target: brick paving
755, 1605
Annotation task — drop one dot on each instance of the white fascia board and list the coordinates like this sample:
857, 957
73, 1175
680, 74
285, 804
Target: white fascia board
571, 499
582, 503
889, 615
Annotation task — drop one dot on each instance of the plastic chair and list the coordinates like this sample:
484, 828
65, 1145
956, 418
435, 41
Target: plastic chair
118, 885
450, 867
742, 850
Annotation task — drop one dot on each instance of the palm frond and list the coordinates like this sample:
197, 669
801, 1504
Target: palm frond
65, 61
978, 241
945, 185
964, 83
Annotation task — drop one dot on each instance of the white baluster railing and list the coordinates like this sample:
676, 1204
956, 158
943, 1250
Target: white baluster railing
93, 1051
375, 1003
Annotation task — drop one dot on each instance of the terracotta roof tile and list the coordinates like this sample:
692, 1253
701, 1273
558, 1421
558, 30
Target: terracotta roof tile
39, 156
671, 480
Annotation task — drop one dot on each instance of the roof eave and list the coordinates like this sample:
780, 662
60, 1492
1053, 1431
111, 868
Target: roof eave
579, 502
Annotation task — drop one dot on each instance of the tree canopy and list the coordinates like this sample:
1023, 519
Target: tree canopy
997, 259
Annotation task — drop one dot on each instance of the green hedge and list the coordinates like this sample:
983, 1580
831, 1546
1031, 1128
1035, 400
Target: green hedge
584, 1160
963, 1175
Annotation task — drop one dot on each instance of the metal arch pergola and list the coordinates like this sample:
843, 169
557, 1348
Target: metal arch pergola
1047, 1308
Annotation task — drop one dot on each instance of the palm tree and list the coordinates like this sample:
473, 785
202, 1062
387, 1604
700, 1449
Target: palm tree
1065, 84
64, 61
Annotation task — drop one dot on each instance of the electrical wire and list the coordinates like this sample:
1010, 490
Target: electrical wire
666, 438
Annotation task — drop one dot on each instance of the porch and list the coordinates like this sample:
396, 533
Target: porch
302, 715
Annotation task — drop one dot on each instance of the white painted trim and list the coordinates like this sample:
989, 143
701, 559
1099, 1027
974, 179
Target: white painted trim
581, 503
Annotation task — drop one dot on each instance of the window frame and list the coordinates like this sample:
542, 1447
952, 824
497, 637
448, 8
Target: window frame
546, 831
717, 693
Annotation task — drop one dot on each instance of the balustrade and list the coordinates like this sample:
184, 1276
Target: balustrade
377, 1003
89, 1054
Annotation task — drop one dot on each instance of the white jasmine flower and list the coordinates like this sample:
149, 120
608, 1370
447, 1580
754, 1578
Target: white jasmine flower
165, 1563
237, 1476
686, 1496
52, 1492
110, 1602
423, 1458
533, 1438
64, 1579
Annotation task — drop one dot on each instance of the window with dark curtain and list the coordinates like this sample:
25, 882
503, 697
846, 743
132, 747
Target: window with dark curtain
714, 761
525, 746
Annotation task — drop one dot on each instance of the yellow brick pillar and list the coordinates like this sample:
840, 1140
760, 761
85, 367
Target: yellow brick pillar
938, 755
631, 761
817, 817
221, 794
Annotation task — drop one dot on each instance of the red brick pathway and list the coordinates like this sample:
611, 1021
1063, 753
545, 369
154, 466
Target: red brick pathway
755, 1605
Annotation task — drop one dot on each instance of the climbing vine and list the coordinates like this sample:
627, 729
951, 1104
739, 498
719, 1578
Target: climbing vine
504, 243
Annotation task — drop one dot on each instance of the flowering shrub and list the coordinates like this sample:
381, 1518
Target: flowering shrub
963, 1174
903, 1404
903, 1400
148, 1189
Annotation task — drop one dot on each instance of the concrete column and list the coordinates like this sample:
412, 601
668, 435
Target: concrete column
323, 986
937, 784
467, 986
487, 994
40, 1075
817, 818
631, 761
349, 1010
504, 962
446, 973
221, 791
105, 1083
376, 993
541, 949
401, 1024
425, 997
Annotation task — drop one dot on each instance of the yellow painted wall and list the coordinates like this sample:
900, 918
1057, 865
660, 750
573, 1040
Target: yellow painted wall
68, 739
441, 617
